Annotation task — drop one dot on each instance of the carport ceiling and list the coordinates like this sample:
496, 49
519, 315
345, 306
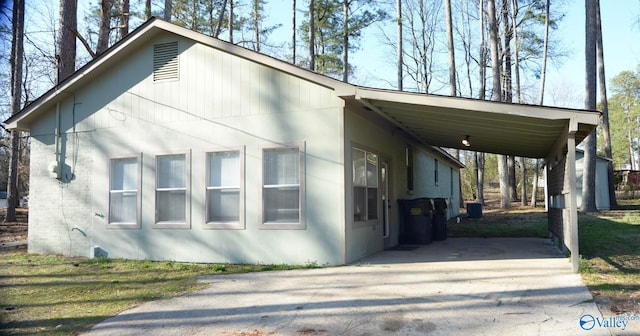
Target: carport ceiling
492, 127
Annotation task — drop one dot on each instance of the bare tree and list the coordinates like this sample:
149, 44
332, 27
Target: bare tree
147, 9
124, 18
589, 173
312, 37
604, 105
257, 16
66, 52
483, 76
545, 49
293, 37
220, 19
505, 199
168, 8
345, 41
17, 56
543, 76
399, 33
451, 49
230, 24
105, 26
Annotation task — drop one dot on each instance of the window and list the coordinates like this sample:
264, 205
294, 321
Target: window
283, 188
409, 163
365, 185
172, 191
124, 192
225, 189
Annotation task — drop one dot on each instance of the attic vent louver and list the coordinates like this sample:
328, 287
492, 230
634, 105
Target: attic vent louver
165, 61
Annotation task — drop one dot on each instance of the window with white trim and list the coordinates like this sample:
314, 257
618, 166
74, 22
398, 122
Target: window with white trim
124, 192
172, 190
283, 187
224, 189
365, 185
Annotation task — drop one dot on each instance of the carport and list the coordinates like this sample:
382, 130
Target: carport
538, 132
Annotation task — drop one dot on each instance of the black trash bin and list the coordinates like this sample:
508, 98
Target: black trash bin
439, 219
415, 221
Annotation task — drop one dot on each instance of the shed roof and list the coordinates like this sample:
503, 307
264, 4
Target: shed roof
492, 127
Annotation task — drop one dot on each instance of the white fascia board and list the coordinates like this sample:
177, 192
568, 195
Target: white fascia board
487, 106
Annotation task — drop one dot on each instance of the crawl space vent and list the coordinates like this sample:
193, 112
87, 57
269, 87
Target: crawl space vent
165, 61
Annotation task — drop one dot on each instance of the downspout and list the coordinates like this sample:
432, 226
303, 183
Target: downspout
58, 153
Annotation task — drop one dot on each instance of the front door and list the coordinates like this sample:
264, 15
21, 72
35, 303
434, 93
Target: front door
386, 201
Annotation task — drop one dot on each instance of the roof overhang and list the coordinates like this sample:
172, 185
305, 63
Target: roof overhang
491, 127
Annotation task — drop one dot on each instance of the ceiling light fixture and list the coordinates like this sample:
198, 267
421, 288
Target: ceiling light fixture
466, 142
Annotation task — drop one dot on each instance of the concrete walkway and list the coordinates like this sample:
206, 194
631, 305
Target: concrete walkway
460, 286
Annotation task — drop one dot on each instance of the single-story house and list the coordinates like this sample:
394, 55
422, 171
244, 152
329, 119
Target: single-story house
173, 145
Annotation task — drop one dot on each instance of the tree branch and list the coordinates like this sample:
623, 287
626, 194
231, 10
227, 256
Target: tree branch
84, 42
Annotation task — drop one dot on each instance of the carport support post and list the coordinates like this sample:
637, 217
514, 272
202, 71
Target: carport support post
573, 203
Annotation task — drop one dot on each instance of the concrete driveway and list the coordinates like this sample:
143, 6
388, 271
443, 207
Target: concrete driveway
459, 286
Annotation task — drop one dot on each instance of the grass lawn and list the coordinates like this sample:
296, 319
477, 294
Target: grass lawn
516, 222
53, 295
610, 250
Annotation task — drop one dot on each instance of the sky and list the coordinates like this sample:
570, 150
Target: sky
565, 82
621, 37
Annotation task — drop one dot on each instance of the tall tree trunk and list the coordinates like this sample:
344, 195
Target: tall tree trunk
483, 81
543, 72
480, 177
105, 26
124, 18
523, 191
256, 23
147, 9
312, 37
223, 8
516, 48
604, 105
66, 52
507, 87
230, 24
451, 50
505, 199
483, 54
543, 76
168, 9
534, 185
345, 41
589, 174
17, 56
293, 37
508, 94
399, 32
513, 187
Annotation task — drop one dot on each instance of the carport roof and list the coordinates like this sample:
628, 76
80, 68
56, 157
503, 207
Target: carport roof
492, 127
